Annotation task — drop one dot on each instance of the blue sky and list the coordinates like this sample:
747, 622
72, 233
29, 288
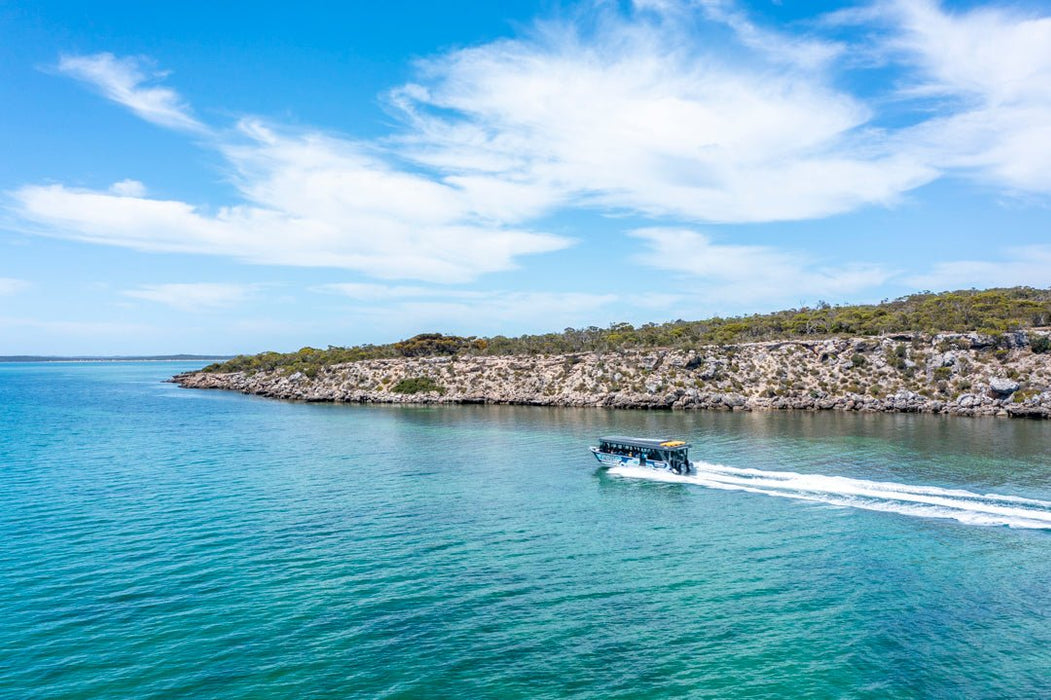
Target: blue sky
224, 177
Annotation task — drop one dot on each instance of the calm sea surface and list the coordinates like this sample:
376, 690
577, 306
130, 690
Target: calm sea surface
162, 542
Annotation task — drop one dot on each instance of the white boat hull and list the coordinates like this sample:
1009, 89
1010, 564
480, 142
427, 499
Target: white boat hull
611, 460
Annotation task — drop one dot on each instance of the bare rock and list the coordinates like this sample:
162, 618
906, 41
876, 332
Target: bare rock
693, 362
733, 400
710, 371
773, 375
1002, 387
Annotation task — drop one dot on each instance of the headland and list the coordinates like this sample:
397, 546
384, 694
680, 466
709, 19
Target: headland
969, 374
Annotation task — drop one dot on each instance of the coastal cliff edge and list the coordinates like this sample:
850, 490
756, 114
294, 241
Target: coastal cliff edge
951, 373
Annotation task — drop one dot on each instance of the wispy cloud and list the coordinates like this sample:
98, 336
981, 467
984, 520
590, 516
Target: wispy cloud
410, 308
620, 111
126, 81
365, 291
747, 273
490, 299
194, 296
731, 277
10, 285
128, 188
508, 309
1025, 265
983, 78
807, 52
642, 115
308, 200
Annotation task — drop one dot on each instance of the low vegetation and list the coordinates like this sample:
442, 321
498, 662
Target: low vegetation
991, 311
417, 385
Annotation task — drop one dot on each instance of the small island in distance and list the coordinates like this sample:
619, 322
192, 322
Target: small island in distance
109, 358
969, 352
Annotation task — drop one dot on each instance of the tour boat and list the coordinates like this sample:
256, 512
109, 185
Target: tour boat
617, 451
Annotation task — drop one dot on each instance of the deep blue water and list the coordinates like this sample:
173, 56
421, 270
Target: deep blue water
162, 542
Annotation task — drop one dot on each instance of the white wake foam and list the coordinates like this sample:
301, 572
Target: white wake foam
921, 501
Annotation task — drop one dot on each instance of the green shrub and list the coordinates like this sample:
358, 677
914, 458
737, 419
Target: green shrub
895, 360
431, 344
1020, 396
993, 311
416, 385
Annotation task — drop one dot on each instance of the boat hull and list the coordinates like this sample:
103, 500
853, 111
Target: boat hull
613, 460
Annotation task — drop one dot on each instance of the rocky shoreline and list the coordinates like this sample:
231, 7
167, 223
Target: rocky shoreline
968, 374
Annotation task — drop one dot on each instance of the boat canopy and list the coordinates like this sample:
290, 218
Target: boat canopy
645, 443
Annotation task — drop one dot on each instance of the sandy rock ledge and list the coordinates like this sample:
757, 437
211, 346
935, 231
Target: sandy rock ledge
963, 374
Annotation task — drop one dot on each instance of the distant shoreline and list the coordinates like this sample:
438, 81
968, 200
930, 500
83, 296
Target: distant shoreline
119, 358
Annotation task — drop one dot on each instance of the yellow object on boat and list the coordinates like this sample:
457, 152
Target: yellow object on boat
673, 443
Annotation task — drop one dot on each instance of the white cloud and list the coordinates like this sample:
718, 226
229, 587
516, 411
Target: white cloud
407, 309
513, 303
195, 296
506, 309
309, 200
643, 114
806, 52
987, 72
994, 54
632, 111
748, 273
731, 276
123, 80
1025, 265
10, 285
128, 188
364, 291
640, 115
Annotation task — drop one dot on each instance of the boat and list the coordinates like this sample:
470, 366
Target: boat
619, 451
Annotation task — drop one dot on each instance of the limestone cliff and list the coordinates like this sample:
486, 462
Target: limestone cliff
957, 373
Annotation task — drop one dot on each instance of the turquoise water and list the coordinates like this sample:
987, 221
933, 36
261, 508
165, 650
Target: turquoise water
161, 542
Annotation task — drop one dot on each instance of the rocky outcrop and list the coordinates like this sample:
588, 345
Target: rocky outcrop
1002, 387
953, 373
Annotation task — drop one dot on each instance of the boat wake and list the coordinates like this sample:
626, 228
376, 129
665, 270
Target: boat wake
919, 501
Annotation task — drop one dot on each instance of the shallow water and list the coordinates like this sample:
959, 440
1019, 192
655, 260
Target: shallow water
156, 541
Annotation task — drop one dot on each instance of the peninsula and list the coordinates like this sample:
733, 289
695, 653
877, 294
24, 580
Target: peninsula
965, 353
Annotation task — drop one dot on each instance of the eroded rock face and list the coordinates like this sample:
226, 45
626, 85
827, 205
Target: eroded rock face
1002, 387
963, 374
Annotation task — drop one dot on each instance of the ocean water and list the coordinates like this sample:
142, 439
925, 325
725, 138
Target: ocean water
162, 542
